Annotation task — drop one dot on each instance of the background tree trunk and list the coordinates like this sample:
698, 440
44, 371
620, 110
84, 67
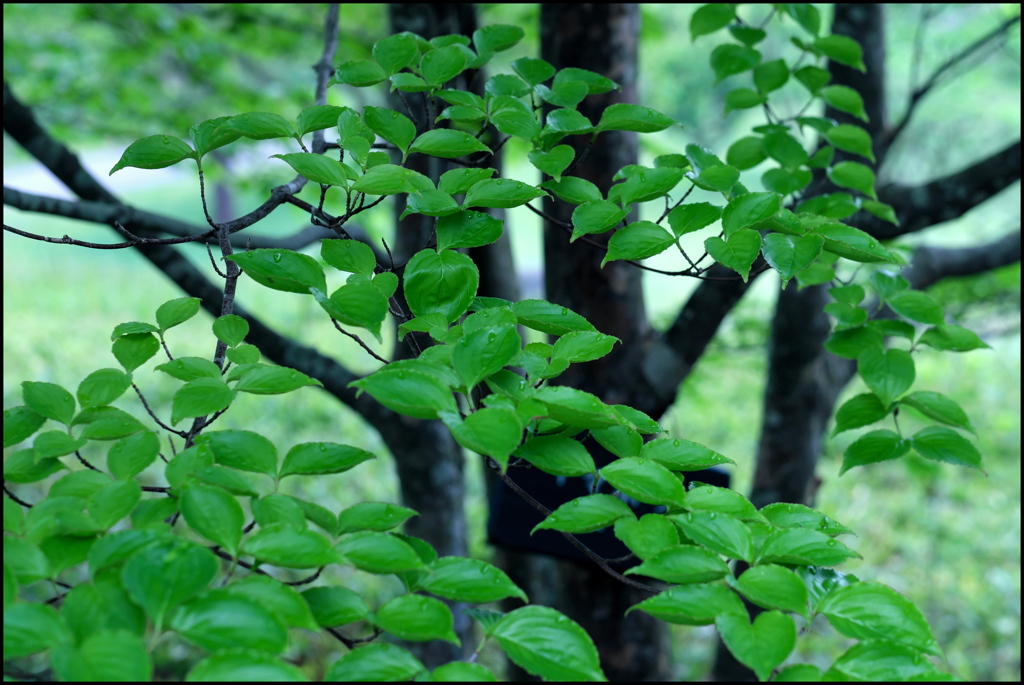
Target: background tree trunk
600, 38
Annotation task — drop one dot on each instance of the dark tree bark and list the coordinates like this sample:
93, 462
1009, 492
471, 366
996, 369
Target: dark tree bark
601, 38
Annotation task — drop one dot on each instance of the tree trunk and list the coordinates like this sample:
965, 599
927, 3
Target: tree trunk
804, 380
600, 38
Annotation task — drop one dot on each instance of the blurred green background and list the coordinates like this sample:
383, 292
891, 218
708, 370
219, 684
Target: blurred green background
103, 75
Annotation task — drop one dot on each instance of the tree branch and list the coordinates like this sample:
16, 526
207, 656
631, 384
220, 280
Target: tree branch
890, 135
932, 264
944, 199
20, 124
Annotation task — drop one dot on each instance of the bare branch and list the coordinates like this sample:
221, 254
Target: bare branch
932, 264
890, 135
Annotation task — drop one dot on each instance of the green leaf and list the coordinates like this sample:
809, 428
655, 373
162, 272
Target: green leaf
200, 397
815, 78
376, 552
506, 84
443, 64
467, 229
882, 661
417, 618
30, 628
843, 98
462, 671
627, 117
230, 329
583, 346
281, 269
567, 121
951, 337
743, 98
213, 513
359, 73
645, 480
496, 38
692, 605
274, 380
102, 387
335, 606
851, 139
595, 216
548, 317
105, 656
882, 211
710, 18
770, 76
260, 126
789, 254
683, 564
55, 444
49, 400
409, 83
378, 516
175, 312
553, 163
727, 60
772, 587
648, 536
290, 546
800, 516
219, 620
576, 407
162, 576
861, 410
20, 423
803, 547
868, 610
548, 644
916, 306
722, 533
557, 455
134, 350
873, 447
586, 514
443, 282
238, 665
939, 443
458, 181
490, 431
889, 374
649, 184
637, 241
348, 255
321, 458
154, 152
317, 118
317, 168
501, 193
430, 202
512, 117
389, 179
738, 253
212, 134
841, 49
484, 352
447, 143
761, 646
719, 178
937, 406
23, 467
682, 455
375, 662
573, 189
747, 210
721, 500
746, 153
855, 176
242, 450
693, 217
408, 390
853, 243
395, 53
533, 71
